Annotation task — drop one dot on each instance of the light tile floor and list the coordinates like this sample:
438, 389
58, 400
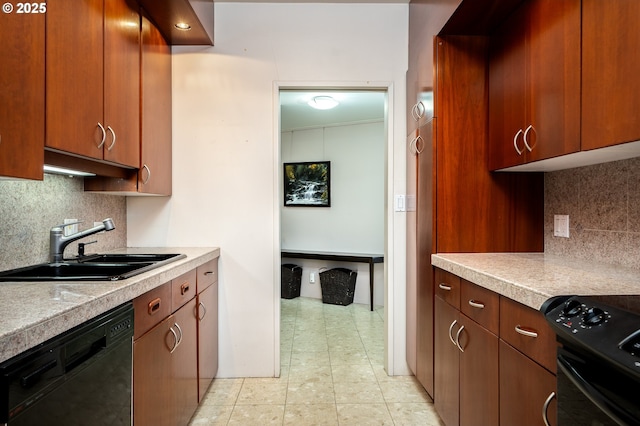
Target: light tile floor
331, 374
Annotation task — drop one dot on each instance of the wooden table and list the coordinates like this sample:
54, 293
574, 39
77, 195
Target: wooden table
370, 259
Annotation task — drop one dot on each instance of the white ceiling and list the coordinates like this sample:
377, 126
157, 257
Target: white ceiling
354, 107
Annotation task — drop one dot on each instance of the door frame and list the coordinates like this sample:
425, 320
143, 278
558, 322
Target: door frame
394, 332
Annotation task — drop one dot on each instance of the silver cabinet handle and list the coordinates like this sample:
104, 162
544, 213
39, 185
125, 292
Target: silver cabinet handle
444, 287
175, 340
412, 145
526, 132
418, 110
545, 408
515, 142
419, 150
204, 311
526, 332
458, 338
476, 304
104, 135
113, 134
180, 330
145, 167
451, 330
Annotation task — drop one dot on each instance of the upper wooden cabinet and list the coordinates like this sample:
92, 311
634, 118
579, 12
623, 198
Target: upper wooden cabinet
610, 68
22, 95
153, 176
93, 79
534, 84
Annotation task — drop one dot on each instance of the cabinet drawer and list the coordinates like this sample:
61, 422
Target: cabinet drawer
207, 274
151, 308
481, 305
183, 289
526, 330
447, 287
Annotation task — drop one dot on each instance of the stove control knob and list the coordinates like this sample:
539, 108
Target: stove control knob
594, 316
571, 308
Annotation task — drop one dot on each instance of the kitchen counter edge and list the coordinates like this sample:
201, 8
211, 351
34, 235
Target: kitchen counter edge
532, 278
35, 312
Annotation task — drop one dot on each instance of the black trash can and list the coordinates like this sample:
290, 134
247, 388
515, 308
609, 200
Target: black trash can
290, 279
338, 286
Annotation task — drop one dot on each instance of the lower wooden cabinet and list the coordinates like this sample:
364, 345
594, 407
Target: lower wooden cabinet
466, 368
478, 374
175, 348
446, 383
493, 358
165, 390
525, 387
207, 338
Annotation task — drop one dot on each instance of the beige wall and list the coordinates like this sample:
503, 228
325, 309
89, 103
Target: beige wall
29, 209
603, 204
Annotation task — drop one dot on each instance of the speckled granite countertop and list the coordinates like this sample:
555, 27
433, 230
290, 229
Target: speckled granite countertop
532, 278
33, 312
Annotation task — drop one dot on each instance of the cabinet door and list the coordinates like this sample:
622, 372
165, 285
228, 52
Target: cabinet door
184, 365
22, 95
152, 376
553, 104
207, 338
534, 87
74, 60
524, 388
610, 64
122, 83
479, 396
446, 396
507, 97
424, 248
154, 176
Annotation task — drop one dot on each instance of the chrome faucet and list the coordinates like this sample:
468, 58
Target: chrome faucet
58, 241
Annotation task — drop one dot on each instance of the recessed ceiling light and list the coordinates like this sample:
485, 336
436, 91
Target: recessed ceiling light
322, 102
183, 26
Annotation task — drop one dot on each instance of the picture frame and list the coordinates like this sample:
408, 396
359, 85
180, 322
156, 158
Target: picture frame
307, 184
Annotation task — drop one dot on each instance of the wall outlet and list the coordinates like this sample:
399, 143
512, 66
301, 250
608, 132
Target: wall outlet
561, 225
71, 229
312, 277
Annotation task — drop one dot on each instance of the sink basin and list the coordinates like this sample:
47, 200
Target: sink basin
102, 267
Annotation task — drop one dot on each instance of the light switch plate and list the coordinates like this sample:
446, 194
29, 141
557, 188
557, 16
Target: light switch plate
561, 225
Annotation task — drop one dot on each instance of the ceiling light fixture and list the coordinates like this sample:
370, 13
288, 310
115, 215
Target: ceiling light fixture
322, 102
63, 171
183, 26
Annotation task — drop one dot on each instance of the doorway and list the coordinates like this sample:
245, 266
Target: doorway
353, 138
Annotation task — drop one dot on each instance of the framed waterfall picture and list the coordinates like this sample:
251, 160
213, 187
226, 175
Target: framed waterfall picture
307, 184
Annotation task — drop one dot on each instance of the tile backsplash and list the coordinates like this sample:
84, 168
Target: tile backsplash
29, 209
603, 204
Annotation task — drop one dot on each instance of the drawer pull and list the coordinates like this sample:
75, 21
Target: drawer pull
545, 409
450, 332
444, 287
154, 306
184, 289
204, 311
209, 273
175, 340
475, 304
458, 338
180, 330
526, 332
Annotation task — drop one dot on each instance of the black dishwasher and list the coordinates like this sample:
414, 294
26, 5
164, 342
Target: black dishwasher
81, 377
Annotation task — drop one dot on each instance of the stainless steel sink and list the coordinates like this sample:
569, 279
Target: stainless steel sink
103, 267
129, 258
